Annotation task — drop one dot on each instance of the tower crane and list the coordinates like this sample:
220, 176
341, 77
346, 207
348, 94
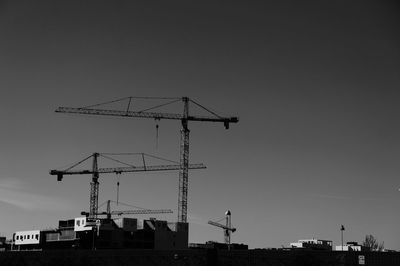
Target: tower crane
95, 171
228, 229
110, 213
184, 117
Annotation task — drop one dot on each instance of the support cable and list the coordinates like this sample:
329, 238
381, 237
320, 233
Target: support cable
220, 220
157, 106
159, 158
129, 104
208, 110
81, 161
131, 97
136, 153
128, 205
118, 161
104, 103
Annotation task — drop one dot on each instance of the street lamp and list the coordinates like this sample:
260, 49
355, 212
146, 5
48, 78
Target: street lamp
342, 229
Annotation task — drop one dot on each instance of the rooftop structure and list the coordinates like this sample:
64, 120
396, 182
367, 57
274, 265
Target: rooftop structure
351, 246
314, 244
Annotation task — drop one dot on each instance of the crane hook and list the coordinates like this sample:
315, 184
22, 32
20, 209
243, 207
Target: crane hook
118, 178
157, 136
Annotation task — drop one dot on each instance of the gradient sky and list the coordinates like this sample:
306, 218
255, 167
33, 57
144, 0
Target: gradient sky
315, 86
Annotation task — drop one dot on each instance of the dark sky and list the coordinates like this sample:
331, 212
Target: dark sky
315, 87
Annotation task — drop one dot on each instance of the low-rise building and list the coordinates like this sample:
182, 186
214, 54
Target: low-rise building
351, 246
217, 245
313, 244
84, 233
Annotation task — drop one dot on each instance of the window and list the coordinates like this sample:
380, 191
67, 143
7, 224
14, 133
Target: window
37, 236
28, 236
17, 237
24, 236
78, 222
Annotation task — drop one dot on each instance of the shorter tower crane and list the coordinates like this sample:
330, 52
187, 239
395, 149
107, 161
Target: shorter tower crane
95, 171
228, 229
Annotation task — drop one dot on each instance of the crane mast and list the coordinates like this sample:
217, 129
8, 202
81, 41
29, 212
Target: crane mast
94, 187
185, 117
183, 172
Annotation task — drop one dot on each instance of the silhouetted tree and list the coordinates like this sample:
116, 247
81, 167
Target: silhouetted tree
372, 243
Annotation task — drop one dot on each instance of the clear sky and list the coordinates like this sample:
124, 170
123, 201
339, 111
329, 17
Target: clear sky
315, 86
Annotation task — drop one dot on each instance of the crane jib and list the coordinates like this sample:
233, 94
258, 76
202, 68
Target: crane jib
155, 115
60, 173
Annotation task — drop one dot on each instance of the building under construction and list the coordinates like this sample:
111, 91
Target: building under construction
118, 233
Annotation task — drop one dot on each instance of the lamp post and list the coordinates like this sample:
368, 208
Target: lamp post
342, 229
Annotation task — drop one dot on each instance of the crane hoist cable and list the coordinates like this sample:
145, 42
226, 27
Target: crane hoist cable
157, 127
118, 180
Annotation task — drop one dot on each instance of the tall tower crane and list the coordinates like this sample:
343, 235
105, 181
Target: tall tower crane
184, 117
228, 229
95, 171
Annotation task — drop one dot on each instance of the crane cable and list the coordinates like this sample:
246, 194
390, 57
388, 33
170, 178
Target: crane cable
118, 179
157, 136
220, 220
